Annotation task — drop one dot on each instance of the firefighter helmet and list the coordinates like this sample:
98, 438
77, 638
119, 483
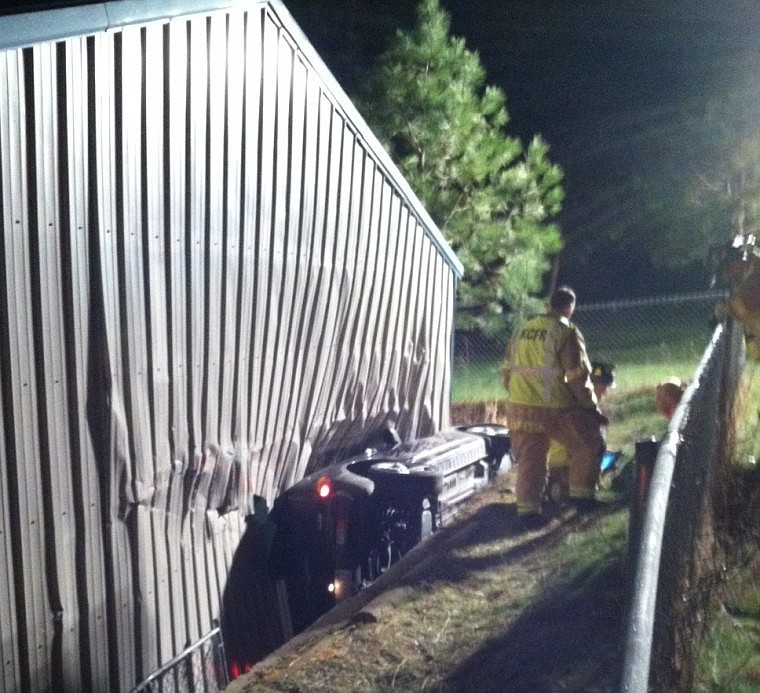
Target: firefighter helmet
603, 373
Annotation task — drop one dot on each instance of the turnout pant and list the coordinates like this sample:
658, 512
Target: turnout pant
577, 429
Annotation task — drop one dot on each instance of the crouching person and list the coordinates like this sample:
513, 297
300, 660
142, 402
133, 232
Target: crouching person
558, 483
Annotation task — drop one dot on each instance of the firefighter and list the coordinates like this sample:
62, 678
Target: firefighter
739, 267
547, 375
557, 485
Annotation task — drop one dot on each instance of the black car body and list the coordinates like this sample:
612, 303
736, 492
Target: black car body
345, 524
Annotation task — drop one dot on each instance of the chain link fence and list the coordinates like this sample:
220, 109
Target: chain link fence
681, 321
676, 563
676, 558
685, 564
661, 330
665, 326
690, 563
200, 668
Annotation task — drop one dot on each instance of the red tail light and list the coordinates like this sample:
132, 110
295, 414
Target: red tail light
324, 487
237, 669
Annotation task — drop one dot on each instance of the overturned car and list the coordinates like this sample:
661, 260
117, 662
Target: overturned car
341, 527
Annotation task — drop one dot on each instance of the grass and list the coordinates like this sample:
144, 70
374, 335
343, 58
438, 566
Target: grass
633, 417
476, 382
647, 345
480, 603
467, 605
479, 607
634, 368
629, 405
729, 657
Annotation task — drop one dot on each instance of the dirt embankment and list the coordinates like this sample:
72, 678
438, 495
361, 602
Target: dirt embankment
491, 411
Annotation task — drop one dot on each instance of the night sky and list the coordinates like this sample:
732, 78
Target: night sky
634, 97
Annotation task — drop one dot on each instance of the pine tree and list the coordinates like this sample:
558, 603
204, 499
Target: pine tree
492, 198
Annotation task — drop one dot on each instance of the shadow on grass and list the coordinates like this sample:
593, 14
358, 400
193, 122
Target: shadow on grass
568, 641
493, 522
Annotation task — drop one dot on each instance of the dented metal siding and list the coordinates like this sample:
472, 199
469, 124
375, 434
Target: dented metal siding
211, 274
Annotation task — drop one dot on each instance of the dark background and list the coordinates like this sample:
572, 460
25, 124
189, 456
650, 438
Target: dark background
636, 98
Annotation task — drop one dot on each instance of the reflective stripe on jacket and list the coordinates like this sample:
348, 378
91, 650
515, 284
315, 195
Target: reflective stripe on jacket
533, 372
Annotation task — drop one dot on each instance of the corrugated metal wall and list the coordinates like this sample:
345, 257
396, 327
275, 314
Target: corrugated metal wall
210, 273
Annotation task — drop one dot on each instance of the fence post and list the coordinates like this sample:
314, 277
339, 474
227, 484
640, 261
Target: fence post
643, 466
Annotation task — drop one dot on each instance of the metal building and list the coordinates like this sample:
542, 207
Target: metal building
210, 274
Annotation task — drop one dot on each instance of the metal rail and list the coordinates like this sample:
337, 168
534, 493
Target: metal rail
209, 674
641, 619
